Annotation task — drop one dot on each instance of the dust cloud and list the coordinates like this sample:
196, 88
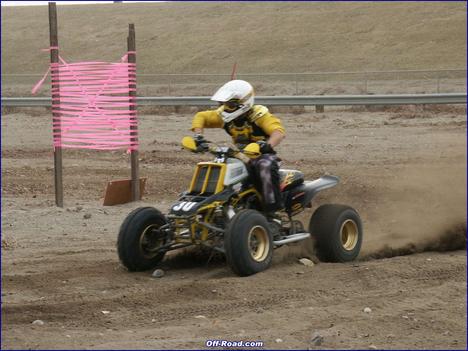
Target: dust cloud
423, 208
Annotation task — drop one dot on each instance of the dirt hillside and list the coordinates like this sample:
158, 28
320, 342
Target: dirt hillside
209, 37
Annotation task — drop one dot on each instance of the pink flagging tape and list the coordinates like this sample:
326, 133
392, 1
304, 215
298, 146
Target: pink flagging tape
39, 84
92, 105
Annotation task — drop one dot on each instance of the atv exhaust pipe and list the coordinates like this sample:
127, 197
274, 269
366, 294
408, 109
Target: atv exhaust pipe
292, 239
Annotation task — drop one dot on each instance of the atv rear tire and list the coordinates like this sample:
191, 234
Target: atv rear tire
139, 239
248, 243
337, 230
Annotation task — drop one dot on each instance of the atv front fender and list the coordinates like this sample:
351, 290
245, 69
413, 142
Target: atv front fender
188, 205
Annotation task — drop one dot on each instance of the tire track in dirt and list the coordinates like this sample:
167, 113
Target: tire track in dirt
450, 240
131, 299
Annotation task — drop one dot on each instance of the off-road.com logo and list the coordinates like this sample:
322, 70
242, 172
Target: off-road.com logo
228, 343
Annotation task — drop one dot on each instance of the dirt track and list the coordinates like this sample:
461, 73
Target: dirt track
403, 169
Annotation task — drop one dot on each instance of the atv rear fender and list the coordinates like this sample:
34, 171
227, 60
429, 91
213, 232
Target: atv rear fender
301, 196
311, 188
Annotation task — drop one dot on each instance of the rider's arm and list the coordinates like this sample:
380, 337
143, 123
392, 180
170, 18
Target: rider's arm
275, 138
206, 119
272, 126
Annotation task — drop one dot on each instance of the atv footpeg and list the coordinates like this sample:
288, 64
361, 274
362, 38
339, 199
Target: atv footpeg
291, 239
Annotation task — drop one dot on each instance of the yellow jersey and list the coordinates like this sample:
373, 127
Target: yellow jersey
257, 124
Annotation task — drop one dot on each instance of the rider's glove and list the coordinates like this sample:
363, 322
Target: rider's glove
199, 139
265, 148
200, 142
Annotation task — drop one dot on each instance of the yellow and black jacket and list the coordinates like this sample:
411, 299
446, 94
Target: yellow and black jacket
255, 125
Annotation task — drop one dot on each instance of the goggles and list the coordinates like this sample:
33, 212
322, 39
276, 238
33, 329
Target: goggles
231, 105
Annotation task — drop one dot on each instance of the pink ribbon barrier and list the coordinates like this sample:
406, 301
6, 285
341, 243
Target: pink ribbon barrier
93, 107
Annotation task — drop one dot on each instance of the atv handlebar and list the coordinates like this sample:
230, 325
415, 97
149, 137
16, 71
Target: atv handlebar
252, 150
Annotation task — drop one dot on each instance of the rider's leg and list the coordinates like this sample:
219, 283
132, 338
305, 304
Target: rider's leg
267, 171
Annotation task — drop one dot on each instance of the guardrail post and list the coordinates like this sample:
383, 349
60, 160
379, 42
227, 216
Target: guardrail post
319, 108
296, 84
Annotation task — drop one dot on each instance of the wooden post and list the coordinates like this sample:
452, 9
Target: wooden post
134, 153
54, 58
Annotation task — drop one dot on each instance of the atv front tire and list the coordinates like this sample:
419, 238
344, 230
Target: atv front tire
248, 243
337, 230
139, 239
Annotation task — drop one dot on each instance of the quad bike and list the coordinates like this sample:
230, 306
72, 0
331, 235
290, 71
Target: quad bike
222, 210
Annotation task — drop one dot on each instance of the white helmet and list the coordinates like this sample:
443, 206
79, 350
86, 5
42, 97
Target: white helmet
237, 97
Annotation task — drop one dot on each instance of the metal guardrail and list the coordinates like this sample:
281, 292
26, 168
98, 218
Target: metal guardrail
340, 100
325, 100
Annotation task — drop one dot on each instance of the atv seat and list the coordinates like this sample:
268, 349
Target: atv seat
290, 178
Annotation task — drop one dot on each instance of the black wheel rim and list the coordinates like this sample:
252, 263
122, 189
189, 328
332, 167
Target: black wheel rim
151, 240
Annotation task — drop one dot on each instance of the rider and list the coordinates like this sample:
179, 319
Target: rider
247, 123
